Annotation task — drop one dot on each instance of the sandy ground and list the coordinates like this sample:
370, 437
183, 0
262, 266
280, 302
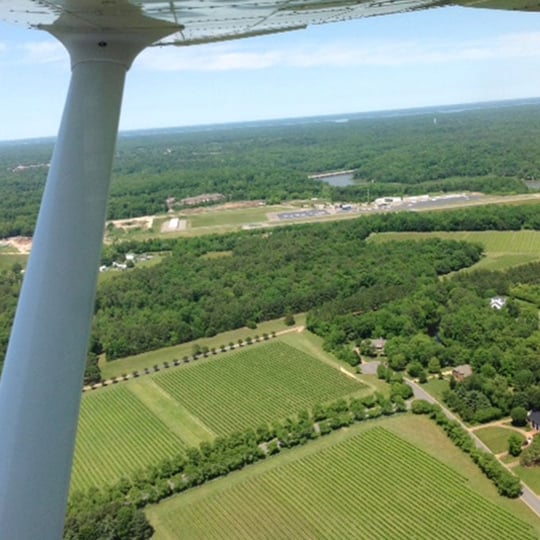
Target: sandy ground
143, 222
23, 244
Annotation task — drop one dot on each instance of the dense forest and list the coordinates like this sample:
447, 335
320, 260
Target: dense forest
292, 270
487, 150
215, 283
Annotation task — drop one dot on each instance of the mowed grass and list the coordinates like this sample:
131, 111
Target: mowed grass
7, 260
529, 475
436, 387
215, 218
371, 485
503, 249
495, 438
258, 384
118, 434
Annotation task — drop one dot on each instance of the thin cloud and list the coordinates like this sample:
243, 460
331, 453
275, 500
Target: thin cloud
239, 56
43, 52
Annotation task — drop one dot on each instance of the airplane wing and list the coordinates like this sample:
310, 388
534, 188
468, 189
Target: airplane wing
205, 21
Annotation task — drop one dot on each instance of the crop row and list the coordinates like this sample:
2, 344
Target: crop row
117, 435
372, 486
254, 386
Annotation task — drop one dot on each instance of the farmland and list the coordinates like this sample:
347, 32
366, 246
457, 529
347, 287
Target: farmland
108, 446
503, 249
359, 483
134, 424
255, 385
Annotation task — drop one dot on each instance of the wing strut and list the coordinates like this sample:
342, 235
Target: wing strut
40, 388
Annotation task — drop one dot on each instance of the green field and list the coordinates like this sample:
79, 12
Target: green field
168, 354
495, 438
258, 384
7, 260
219, 218
118, 434
503, 249
133, 424
436, 387
529, 475
364, 483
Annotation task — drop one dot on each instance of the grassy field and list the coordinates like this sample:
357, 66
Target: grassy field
503, 249
7, 260
141, 361
366, 482
530, 475
495, 438
220, 218
258, 384
436, 388
118, 434
133, 424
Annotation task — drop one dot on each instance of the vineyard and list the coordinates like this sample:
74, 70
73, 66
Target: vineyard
117, 435
129, 426
373, 485
255, 385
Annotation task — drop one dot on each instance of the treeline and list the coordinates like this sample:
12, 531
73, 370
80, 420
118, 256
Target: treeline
506, 483
448, 323
489, 150
478, 218
91, 514
261, 277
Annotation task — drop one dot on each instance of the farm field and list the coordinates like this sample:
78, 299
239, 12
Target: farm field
503, 249
117, 435
365, 482
258, 384
127, 365
135, 423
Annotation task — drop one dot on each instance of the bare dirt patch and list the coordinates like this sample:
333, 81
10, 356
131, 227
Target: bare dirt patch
22, 244
143, 222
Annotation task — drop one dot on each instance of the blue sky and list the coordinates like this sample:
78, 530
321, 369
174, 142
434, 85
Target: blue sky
441, 56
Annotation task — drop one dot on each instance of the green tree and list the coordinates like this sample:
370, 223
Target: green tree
289, 319
515, 443
519, 416
434, 365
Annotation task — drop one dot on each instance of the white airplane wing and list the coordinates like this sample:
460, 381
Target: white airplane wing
205, 21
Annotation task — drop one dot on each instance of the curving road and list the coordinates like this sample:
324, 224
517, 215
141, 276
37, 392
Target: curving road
528, 496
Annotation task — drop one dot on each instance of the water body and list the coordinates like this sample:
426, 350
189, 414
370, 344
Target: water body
338, 180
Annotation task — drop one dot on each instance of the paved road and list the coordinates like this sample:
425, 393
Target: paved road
528, 496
